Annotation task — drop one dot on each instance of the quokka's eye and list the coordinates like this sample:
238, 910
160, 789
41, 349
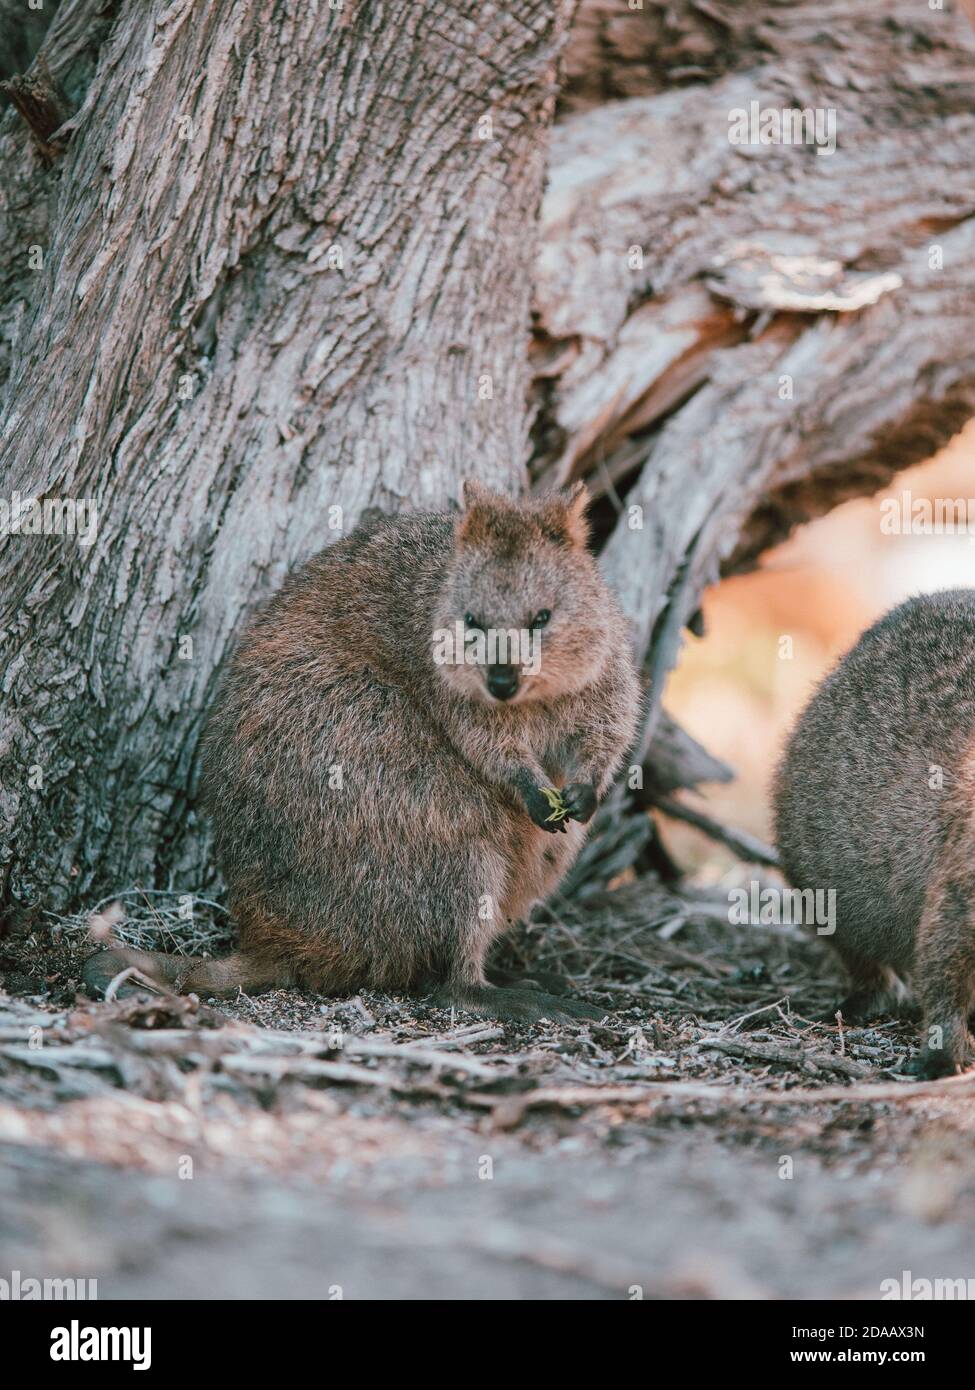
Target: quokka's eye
541, 618
471, 621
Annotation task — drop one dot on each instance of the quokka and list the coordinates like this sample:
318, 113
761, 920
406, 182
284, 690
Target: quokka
380, 816
875, 797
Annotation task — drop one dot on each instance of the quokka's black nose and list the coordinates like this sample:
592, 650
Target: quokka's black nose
502, 681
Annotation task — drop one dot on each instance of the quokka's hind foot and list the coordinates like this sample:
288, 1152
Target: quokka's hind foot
135, 971
179, 974
546, 980
516, 1005
945, 970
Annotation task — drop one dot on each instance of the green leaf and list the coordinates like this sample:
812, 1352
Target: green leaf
555, 799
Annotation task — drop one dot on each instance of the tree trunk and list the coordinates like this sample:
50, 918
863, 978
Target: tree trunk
287, 261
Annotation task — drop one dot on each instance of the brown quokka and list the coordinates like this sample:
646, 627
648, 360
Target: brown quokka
875, 798
382, 814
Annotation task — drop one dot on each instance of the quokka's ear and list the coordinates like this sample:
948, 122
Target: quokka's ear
476, 494
577, 501
563, 515
485, 513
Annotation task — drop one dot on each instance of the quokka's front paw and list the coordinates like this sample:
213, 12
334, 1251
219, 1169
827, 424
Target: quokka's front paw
546, 808
579, 799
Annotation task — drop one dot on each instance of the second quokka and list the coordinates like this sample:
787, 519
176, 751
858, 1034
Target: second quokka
381, 817
875, 799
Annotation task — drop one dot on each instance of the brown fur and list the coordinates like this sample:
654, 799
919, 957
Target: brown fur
859, 808
403, 876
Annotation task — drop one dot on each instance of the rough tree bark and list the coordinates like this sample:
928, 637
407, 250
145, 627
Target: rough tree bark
287, 260
191, 355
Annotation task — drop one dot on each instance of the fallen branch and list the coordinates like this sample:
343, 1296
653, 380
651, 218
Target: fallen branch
786, 1056
509, 1110
745, 846
302, 1067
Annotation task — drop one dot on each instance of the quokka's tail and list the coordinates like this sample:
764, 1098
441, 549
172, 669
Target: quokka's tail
182, 974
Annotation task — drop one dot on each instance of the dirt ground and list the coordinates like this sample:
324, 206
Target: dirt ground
707, 1140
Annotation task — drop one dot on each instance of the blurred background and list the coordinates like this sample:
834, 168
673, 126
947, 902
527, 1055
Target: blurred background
734, 692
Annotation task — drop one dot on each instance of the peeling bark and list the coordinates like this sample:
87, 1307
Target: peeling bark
42, 105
